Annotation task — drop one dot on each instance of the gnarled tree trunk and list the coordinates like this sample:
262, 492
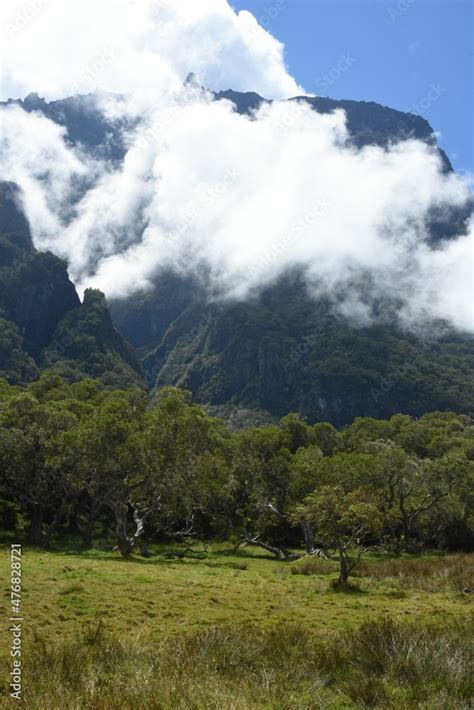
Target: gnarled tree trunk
343, 568
125, 543
280, 552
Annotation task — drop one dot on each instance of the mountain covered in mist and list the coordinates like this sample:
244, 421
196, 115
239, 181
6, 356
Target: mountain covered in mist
368, 122
280, 349
43, 322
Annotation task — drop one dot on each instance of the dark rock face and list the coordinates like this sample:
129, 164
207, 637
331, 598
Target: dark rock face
145, 317
35, 289
86, 338
278, 352
15, 229
283, 352
38, 301
85, 123
39, 296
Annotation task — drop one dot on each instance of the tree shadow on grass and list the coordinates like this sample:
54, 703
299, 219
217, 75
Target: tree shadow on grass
348, 588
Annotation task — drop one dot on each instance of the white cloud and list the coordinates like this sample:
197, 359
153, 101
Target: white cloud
58, 48
204, 189
34, 155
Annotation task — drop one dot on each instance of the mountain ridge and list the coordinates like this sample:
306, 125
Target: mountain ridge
281, 350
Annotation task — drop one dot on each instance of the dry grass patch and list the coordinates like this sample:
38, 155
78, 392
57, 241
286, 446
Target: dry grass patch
451, 573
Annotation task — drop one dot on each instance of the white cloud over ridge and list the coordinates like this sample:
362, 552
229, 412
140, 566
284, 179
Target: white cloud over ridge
245, 198
203, 189
59, 48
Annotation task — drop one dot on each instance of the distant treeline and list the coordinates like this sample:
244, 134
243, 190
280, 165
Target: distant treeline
82, 459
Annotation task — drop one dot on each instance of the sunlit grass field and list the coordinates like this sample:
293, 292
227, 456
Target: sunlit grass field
163, 595
110, 633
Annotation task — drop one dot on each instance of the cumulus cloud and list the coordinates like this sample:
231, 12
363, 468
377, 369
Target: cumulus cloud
33, 153
241, 199
234, 199
59, 48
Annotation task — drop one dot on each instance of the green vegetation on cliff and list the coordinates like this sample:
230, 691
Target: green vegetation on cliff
283, 351
43, 323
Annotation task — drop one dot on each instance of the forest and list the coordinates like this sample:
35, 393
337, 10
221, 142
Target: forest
79, 459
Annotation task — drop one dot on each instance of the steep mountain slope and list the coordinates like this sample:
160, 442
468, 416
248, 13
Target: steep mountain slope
277, 352
285, 352
42, 320
368, 123
83, 120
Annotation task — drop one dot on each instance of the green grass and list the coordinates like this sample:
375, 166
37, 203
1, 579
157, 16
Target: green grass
383, 664
222, 615
161, 595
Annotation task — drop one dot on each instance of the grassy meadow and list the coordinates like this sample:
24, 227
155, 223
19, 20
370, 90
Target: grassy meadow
239, 630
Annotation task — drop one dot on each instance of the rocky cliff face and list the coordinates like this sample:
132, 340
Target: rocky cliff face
37, 296
86, 343
39, 309
285, 352
85, 123
367, 121
280, 351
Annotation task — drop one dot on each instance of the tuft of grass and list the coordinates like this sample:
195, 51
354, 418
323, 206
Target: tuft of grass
396, 665
314, 565
239, 565
72, 589
347, 588
450, 573
385, 664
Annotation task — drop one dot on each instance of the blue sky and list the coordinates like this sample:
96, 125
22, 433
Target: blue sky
413, 55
